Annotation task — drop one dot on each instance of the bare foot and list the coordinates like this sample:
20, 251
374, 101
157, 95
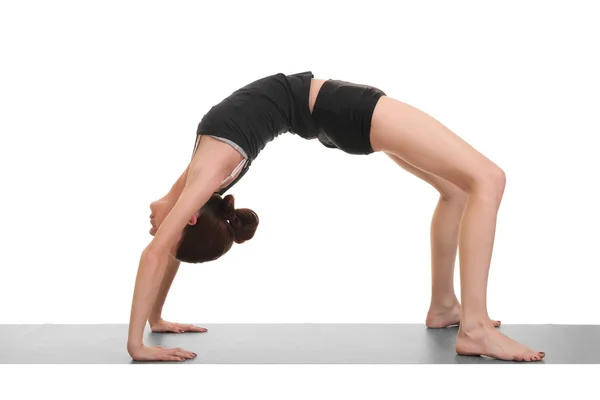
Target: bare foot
487, 341
443, 317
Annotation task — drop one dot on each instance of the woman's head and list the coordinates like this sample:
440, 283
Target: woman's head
211, 232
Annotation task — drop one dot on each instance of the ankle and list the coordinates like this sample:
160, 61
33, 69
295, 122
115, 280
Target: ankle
444, 303
470, 324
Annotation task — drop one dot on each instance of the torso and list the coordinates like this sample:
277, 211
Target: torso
315, 86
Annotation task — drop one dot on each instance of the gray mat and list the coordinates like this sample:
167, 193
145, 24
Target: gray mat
289, 344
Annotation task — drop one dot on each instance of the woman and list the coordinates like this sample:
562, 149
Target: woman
193, 223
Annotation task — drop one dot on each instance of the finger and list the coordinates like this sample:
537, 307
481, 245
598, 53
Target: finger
193, 328
185, 353
173, 358
173, 328
177, 328
171, 351
179, 352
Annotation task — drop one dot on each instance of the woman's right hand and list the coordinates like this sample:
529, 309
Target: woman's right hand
159, 353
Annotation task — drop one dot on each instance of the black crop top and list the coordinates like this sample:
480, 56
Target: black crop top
259, 112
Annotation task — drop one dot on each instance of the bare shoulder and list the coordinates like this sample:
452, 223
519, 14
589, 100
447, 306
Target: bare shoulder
215, 156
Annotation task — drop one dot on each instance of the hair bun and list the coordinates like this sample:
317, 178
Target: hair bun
244, 224
243, 221
228, 207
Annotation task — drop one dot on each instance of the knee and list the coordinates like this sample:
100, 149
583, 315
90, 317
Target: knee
491, 183
497, 178
454, 196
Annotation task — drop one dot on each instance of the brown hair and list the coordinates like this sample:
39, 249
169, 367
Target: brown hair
219, 225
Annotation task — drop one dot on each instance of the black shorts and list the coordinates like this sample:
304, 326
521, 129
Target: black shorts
343, 112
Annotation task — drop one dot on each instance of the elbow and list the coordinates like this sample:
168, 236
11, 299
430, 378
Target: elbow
150, 256
152, 265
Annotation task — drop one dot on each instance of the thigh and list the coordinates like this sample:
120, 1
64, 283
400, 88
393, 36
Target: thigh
424, 142
447, 190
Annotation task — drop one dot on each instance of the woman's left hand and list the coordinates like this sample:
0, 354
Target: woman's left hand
164, 326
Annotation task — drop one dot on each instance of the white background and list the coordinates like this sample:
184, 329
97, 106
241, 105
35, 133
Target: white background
99, 108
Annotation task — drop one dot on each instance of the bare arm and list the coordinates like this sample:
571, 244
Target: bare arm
157, 323
163, 291
201, 183
211, 164
178, 186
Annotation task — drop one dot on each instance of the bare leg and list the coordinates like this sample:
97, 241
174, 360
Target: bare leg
422, 141
444, 309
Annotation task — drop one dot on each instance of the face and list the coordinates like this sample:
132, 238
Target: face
159, 210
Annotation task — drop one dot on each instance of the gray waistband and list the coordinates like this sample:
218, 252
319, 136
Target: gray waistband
233, 144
